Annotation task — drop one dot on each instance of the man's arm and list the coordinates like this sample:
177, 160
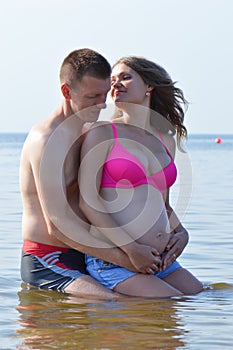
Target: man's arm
47, 164
62, 223
113, 255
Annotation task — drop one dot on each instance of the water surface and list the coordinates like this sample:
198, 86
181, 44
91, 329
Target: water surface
35, 319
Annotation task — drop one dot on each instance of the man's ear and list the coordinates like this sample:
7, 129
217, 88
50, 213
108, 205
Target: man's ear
65, 89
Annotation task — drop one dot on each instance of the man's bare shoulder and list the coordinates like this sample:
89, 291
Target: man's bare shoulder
41, 132
37, 138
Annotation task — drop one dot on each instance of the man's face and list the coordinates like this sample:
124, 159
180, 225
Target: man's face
89, 96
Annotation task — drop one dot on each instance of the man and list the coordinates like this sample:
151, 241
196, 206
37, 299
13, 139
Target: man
55, 233
47, 260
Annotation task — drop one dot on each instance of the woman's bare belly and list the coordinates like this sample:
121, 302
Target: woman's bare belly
141, 212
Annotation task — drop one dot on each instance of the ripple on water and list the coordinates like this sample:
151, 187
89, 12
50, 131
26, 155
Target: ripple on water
57, 320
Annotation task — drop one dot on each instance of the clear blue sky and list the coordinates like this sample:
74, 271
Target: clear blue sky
191, 39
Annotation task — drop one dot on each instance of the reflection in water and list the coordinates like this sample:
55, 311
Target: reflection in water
54, 320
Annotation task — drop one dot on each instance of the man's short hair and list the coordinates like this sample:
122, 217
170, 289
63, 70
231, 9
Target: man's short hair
84, 62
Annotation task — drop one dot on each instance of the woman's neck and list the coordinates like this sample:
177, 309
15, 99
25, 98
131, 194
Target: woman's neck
137, 115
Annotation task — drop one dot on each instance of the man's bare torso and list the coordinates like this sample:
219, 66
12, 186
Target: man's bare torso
36, 225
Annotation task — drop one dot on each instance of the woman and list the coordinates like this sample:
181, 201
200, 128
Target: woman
132, 160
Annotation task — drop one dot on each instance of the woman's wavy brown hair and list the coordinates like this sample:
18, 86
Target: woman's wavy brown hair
167, 102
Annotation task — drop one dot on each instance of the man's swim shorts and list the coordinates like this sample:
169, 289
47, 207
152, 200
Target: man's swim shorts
50, 267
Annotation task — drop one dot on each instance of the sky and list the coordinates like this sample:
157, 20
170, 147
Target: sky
192, 40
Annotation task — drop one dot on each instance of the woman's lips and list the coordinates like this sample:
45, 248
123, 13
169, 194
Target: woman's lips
117, 92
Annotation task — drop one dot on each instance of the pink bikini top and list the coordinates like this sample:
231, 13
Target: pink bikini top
123, 170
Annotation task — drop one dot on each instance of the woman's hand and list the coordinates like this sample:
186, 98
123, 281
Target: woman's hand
174, 248
144, 258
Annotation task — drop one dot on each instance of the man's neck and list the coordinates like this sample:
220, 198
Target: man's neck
67, 112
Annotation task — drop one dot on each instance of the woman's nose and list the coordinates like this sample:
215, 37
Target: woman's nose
116, 83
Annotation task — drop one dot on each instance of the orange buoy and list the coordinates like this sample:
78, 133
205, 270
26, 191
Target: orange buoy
218, 140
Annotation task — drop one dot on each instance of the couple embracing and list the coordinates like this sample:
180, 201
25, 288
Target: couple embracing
96, 214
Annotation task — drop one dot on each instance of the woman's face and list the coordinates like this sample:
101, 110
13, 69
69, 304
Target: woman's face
128, 86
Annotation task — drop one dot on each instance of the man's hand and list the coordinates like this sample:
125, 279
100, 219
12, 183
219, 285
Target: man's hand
144, 258
174, 248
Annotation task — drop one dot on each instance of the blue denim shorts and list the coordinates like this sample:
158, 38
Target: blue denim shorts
110, 275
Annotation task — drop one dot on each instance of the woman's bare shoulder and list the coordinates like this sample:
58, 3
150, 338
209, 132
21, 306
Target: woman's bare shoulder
99, 131
170, 143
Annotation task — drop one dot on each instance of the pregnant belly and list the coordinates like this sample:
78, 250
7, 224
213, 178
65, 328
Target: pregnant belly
141, 212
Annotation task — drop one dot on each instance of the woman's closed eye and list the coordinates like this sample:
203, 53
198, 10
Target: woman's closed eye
124, 77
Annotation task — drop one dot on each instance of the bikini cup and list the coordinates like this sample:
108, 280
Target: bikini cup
123, 170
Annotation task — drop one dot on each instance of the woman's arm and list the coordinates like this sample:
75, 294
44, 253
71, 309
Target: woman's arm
94, 152
179, 237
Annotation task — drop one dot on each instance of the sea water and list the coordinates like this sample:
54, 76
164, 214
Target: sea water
37, 319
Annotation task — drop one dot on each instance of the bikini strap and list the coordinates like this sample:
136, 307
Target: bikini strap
163, 142
114, 131
162, 139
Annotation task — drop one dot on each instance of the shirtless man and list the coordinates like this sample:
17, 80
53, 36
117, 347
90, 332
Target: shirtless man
55, 237
50, 259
